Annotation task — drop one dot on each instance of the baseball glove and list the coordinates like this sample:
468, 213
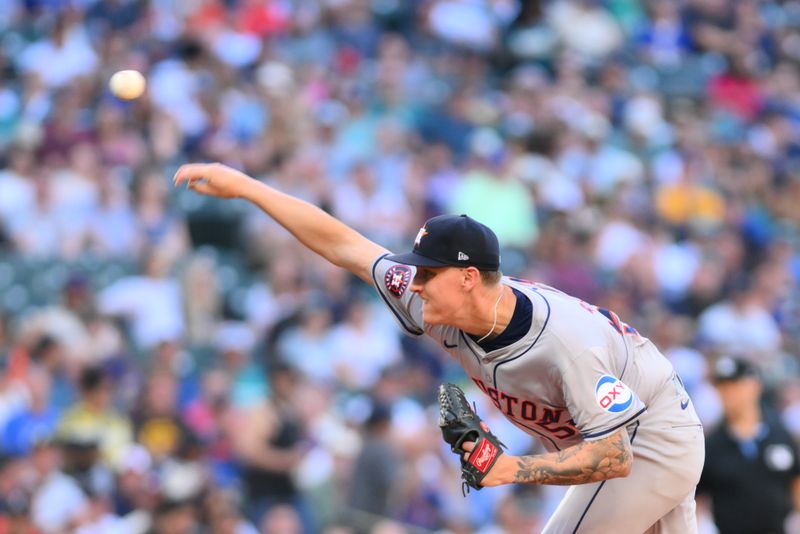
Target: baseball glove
460, 423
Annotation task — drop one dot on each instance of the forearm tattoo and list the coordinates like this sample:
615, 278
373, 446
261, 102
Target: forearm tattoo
590, 461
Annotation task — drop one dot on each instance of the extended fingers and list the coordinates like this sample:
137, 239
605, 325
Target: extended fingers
191, 172
200, 186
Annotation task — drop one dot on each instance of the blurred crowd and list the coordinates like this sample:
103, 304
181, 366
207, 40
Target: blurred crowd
171, 364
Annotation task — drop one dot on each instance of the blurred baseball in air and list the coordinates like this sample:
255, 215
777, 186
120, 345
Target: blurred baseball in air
127, 84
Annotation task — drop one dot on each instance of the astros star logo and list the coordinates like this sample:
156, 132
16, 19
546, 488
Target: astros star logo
422, 233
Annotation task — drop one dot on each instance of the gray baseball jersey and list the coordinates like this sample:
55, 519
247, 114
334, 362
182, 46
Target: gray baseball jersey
579, 373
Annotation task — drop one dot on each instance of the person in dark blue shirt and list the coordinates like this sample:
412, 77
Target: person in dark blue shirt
752, 469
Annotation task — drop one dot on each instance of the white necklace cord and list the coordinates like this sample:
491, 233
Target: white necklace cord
494, 323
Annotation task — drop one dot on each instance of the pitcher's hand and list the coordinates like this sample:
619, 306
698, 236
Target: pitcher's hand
212, 179
499, 473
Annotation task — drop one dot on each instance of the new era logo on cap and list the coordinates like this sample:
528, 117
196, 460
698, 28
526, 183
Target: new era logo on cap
456, 240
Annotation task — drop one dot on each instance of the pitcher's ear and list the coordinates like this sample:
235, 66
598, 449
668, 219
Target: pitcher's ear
471, 277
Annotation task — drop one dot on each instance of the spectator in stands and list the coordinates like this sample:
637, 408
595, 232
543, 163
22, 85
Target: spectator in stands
151, 301
376, 470
93, 417
34, 423
270, 445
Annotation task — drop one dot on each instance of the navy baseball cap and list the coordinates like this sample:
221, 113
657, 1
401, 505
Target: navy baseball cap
729, 369
453, 240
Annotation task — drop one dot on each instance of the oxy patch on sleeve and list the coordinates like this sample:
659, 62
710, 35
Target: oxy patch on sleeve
612, 394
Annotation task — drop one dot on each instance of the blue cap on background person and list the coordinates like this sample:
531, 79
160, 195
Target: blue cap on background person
453, 241
728, 369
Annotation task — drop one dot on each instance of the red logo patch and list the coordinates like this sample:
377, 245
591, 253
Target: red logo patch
397, 279
483, 456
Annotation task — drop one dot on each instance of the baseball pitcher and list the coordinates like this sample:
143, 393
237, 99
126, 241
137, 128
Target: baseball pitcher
619, 426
